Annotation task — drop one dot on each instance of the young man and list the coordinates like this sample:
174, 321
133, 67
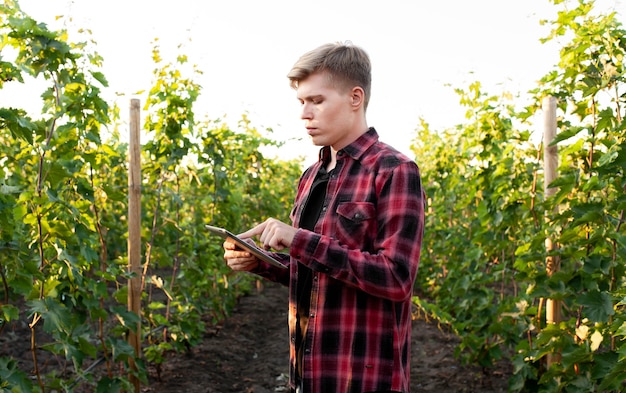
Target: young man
355, 239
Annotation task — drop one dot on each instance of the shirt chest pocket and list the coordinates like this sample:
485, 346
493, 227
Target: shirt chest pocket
355, 223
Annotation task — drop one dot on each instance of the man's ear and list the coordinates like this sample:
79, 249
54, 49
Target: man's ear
358, 97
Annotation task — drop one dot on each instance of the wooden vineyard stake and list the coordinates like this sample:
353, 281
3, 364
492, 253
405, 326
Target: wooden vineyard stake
550, 163
134, 234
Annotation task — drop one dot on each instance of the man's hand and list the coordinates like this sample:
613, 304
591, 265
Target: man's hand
237, 259
272, 234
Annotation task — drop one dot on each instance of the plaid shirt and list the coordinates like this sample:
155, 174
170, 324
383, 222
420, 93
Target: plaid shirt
364, 255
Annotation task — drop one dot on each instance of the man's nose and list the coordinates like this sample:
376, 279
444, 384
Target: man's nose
306, 111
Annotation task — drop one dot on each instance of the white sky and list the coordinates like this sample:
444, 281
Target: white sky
246, 47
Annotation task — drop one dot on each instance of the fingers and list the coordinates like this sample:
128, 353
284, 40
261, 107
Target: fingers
232, 251
270, 238
276, 234
257, 230
242, 264
268, 233
237, 259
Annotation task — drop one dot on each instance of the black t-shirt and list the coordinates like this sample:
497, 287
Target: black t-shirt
309, 218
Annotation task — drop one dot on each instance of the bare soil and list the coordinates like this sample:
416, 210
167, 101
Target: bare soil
248, 353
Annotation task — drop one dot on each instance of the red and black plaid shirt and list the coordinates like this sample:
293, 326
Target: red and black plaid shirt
364, 254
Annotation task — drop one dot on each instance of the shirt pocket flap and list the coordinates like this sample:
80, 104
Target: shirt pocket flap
357, 211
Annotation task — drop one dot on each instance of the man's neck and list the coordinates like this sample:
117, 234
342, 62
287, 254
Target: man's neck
334, 149
333, 160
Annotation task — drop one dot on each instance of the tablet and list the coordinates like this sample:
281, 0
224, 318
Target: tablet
251, 248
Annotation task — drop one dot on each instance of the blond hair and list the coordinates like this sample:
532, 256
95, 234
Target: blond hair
345, 64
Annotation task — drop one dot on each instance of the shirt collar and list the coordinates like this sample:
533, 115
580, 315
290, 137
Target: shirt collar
355, 149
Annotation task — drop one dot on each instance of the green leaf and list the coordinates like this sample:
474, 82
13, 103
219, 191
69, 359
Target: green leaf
99, 76
127, 318
603, 362
621, 331
592, 184
574, 354
17, 123
109, 385
608, 158
614, 380
598, 305
9, 312
87, 347
6, 190
17, 380
55, 315
566, 134
121, 350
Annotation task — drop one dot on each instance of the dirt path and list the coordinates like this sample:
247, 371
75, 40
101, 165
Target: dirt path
248, 353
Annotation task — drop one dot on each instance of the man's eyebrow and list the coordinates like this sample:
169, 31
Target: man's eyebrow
311, 97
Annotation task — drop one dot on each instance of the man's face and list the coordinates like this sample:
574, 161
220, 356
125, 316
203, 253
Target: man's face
327, 112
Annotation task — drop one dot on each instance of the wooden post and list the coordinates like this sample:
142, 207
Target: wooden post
550, 164
134, 233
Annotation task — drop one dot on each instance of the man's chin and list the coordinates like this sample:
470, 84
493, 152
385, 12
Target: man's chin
319, 141
316, 142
